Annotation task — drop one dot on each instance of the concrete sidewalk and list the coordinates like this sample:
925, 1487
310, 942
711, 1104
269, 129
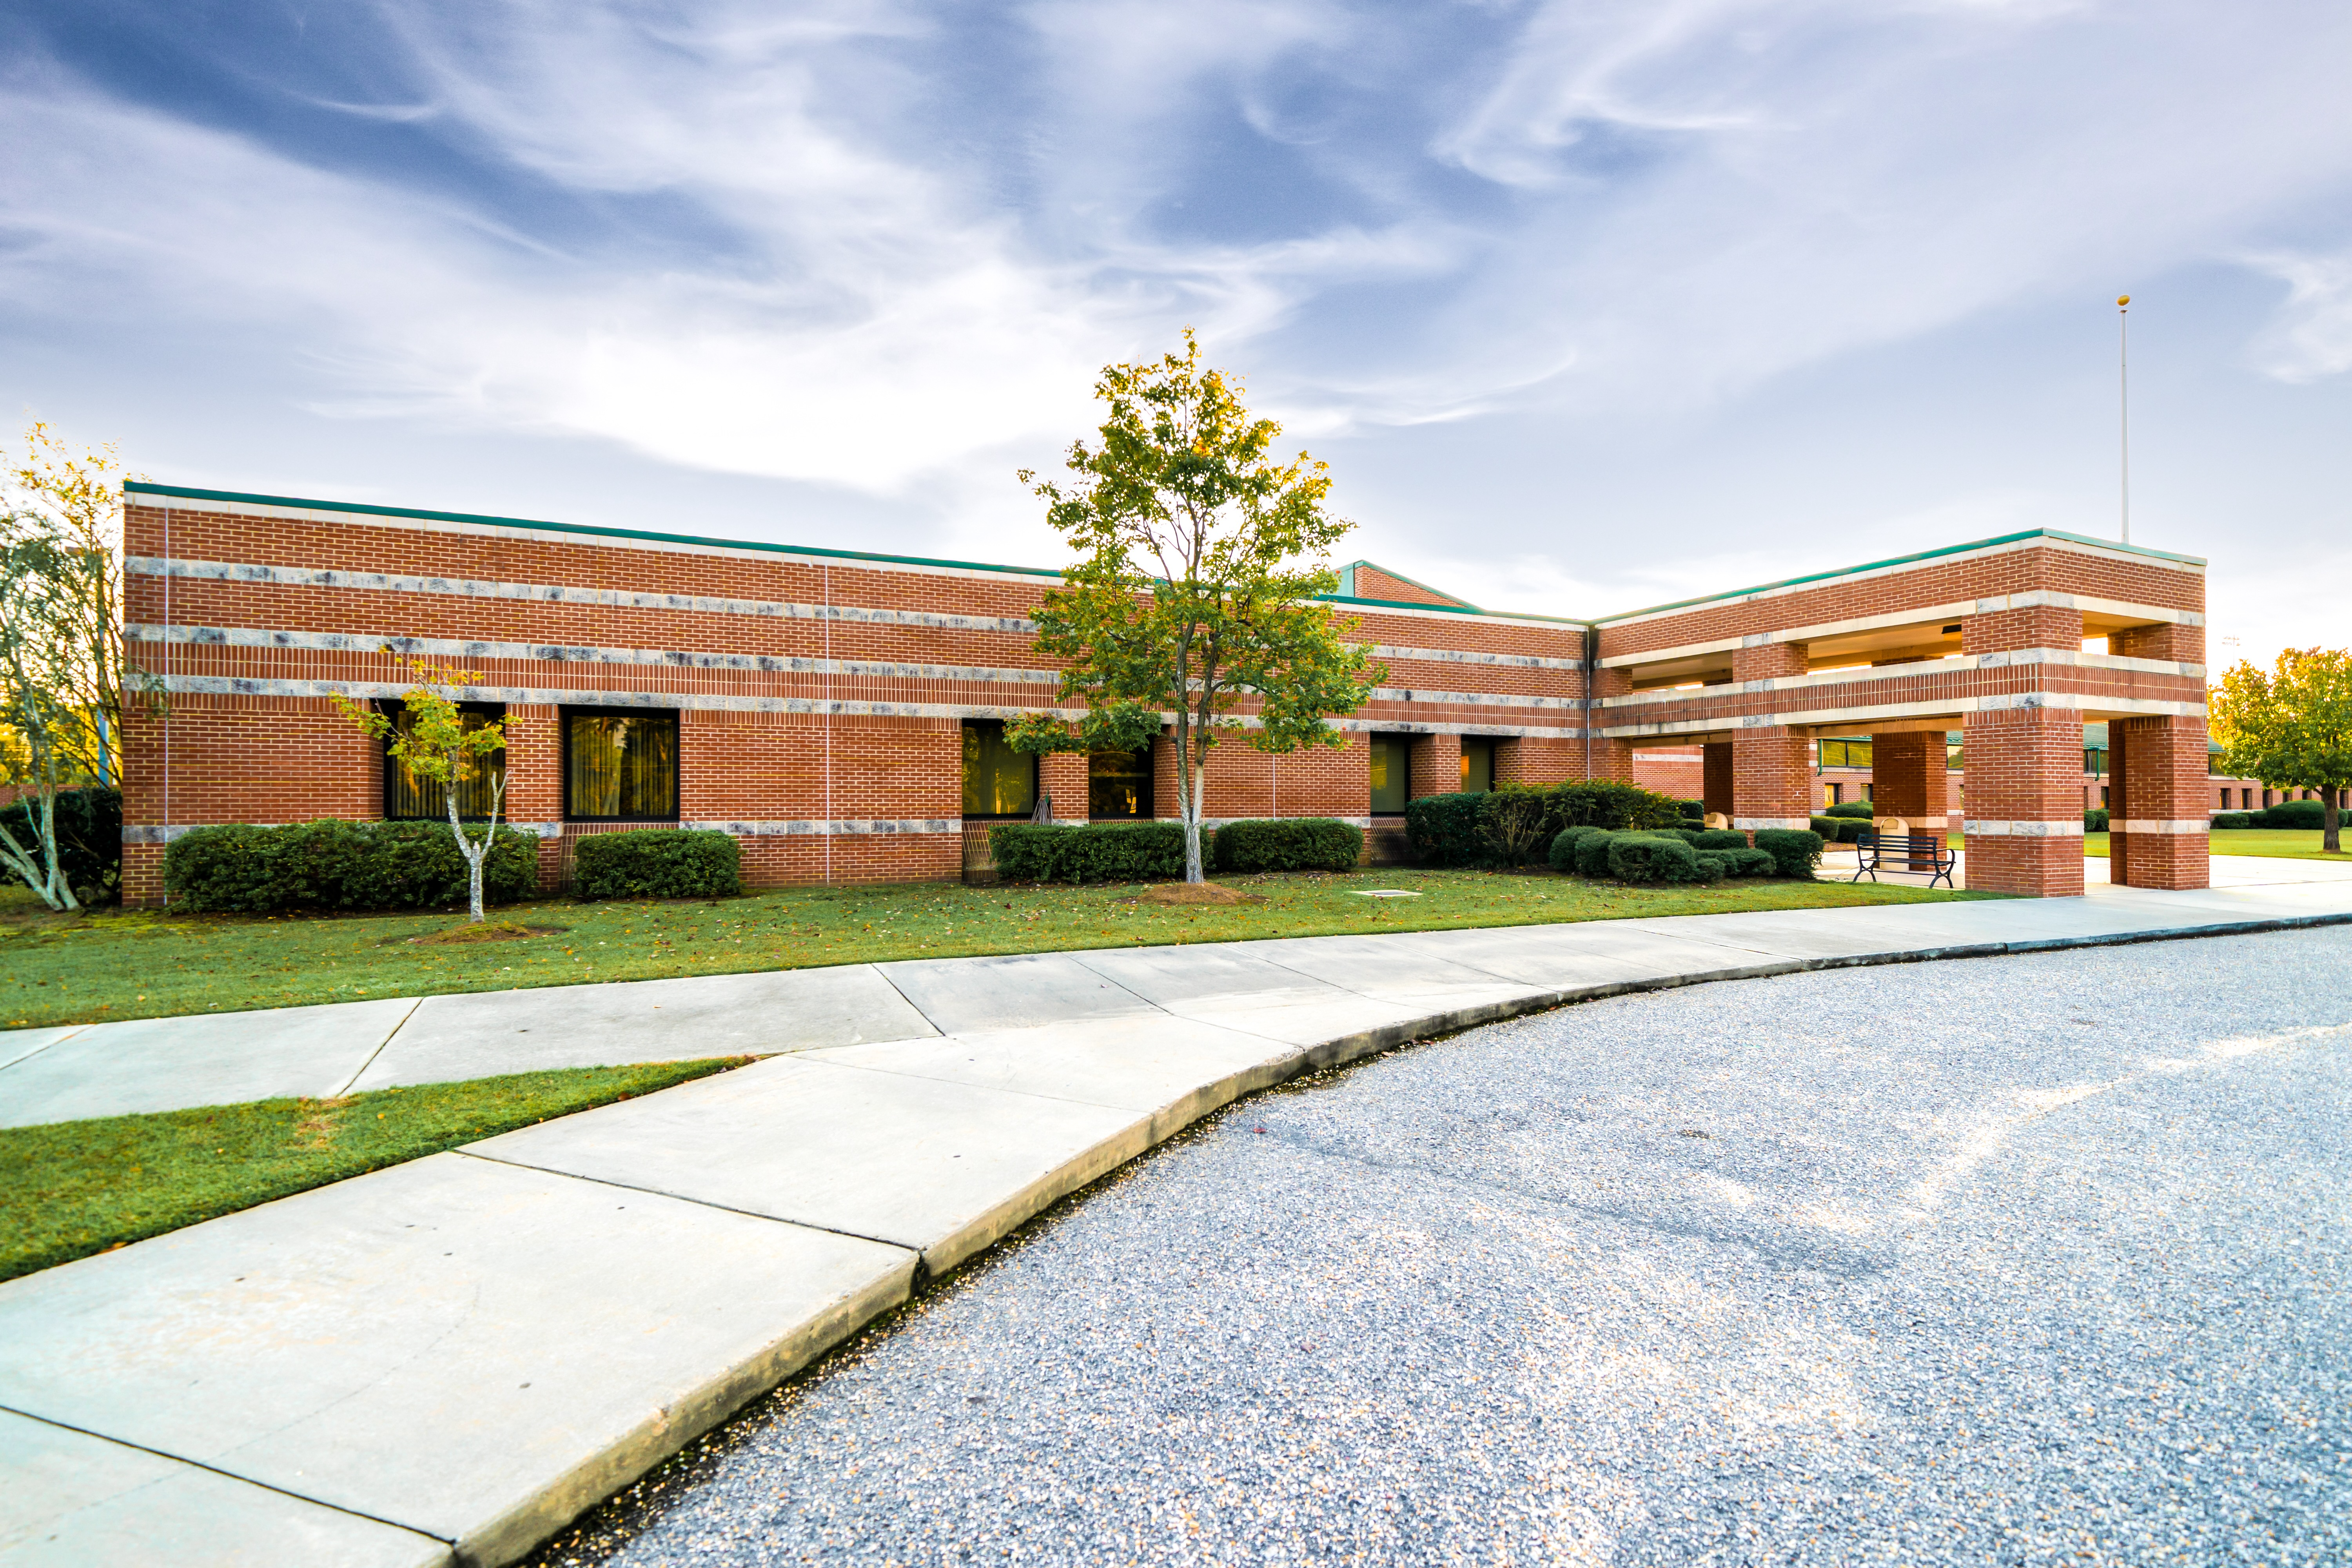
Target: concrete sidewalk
447, 1360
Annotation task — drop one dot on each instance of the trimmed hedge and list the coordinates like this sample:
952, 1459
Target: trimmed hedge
1862, 810
1712, 867
1841, 829
1647, 858
1795, 852
1748, 862
2292, 814
1693, 810
1104, 852
1690, 836
2229, 819
334, 864
1562, 853
1445, 829
2095, 820
1289, 844
89, 839
657, 863
1720, 838
1592, 851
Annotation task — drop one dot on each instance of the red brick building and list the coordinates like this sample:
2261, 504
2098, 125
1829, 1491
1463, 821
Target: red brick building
840, 712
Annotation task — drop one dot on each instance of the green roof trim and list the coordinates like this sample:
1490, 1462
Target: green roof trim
1906, 560
1347, 584
140, 487
1448, 609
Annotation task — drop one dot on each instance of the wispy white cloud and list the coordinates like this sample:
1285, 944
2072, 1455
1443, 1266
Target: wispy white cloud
2311, 336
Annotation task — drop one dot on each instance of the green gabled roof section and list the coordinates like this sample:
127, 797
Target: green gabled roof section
1907, 560
138, 487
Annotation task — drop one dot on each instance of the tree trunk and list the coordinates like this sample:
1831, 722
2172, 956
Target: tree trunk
2330, 820
474, 854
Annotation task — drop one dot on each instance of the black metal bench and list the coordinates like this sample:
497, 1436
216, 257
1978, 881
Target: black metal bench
1924, 852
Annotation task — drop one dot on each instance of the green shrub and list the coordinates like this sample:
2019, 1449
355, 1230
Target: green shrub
1748, 862
1605, 803
1649, 857
657, 863
334, 864
1592, 852
89, 839
1862, 810
1562, 853
1445, 829
1713, 866
1718, 838
2095, 820
1690, 836
1289, 844
1106, 852
2231, 819
1515, 823
1795, 852
1693, 810
2292, 814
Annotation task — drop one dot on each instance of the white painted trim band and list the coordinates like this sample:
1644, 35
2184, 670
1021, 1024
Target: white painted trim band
2161, 825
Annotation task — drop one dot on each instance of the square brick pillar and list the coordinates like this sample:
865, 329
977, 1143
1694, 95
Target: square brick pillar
1907, 779
1771, 769
1436, 765
2024, 825
2159, 833
1717, 773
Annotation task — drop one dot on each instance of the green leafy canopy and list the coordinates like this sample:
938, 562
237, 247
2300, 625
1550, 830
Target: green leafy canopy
2290, 726
1199, 560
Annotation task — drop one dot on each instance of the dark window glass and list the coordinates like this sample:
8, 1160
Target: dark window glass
1477, 765
2094, 760
1392, 767
997, 780
620, 767
407, 798
1837, 794
1118, 785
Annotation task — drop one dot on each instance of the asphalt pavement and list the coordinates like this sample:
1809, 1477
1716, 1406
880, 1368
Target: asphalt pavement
2033, 1259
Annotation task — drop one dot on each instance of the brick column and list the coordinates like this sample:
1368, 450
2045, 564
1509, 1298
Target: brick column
1436, 764
1907, 776
2024, 824
2158, 827
1771, 769
1717, 773
1062, 775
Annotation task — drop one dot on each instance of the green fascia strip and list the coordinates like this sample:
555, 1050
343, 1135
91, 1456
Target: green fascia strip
141, 487
1906, 560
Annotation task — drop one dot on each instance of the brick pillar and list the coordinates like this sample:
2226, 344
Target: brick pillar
1436, 764
1771, 769
2024, 824
1717, 773
2158, 829
1907, 776
1062, 775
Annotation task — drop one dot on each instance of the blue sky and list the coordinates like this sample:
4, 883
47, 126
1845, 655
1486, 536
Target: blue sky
1590, 305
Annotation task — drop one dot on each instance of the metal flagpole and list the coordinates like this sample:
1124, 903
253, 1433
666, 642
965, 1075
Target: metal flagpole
2123, 400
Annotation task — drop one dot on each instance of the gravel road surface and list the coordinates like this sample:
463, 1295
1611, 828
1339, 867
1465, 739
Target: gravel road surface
2022, 1261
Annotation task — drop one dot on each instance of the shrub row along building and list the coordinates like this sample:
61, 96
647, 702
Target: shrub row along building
841, 714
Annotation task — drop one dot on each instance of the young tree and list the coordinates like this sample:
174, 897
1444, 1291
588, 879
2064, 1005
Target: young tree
46, 582
2290, 727
1200, 558
439, 746
75, 501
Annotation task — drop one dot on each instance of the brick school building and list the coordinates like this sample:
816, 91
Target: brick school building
841, 714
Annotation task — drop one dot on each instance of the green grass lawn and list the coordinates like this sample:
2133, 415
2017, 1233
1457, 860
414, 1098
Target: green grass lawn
142, 964
2270, 843
79, 1187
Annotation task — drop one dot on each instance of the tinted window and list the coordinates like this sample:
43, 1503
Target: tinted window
1391, 768
997, 780
407, 798
1118, 785
621, 767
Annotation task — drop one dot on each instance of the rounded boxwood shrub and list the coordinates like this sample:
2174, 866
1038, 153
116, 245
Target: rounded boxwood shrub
1690, 836
1562, 854
1289, 844
1592, 851
1445, 829
1645, 857
657, 863
1794, 850
2095, 820
1713, 866
330, 864
1720, 839
1103, 852
1861, 809
1748, 862
2231, 819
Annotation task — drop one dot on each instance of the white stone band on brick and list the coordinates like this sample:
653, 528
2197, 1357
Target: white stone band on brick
1772, 822
818, 827
158, 833
2161, 825
1954, 706
1995, 827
